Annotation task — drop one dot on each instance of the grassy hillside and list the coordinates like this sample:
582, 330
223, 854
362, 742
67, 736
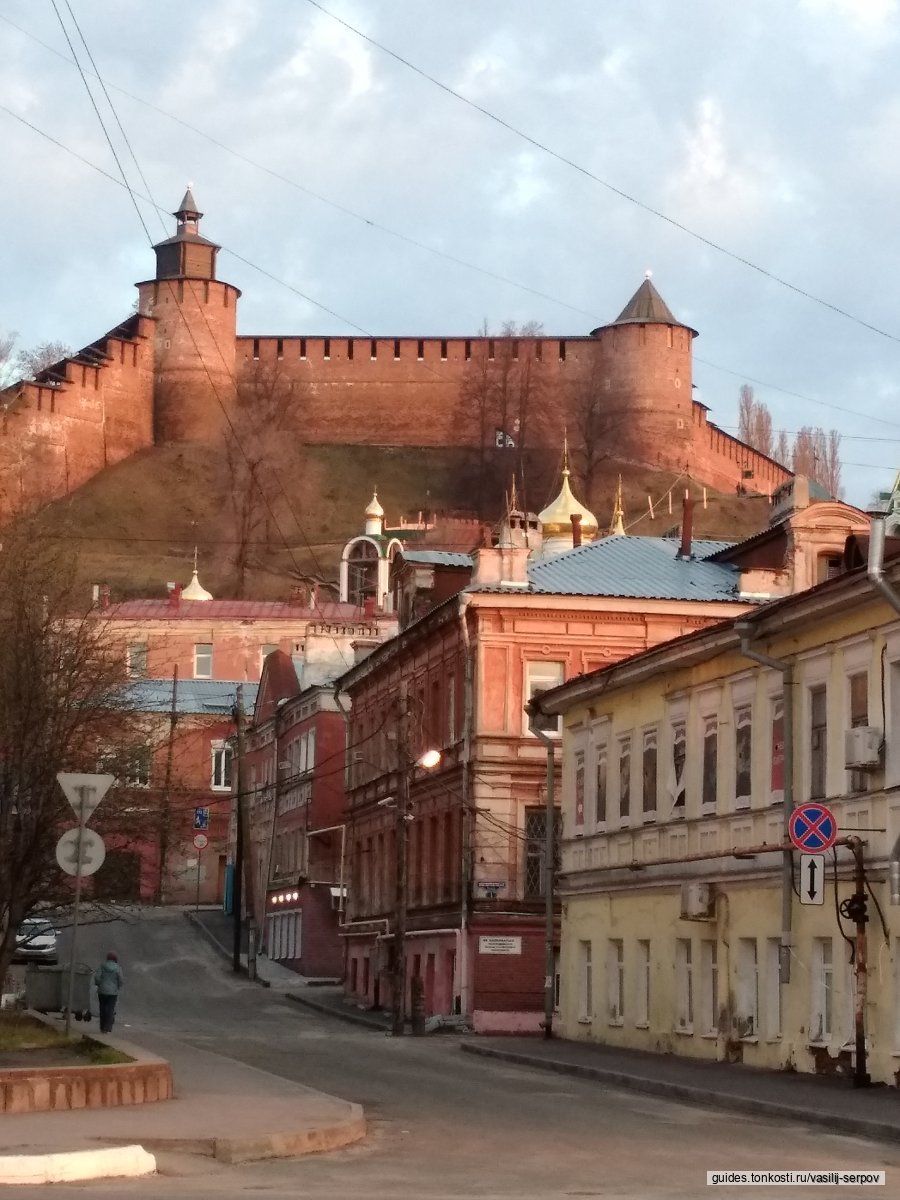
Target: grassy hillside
136, 524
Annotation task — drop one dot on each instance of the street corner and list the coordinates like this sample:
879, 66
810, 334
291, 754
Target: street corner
115, 1162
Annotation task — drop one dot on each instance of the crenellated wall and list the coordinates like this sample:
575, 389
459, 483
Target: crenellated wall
86, 413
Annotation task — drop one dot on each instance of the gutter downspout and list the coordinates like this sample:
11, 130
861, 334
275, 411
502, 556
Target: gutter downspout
746, 633
346, 715
875, 574
468, 815
549, 880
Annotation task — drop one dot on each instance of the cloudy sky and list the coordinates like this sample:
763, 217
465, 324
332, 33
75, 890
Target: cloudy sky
347, 184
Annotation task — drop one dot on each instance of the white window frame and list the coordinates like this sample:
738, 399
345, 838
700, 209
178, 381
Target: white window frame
197, 657
601, 758
615, 981
747, 990
140, 650
624, 752
649, 741
676, 789
684, 985
776, 711
821, 992
774, 1016
642, 985
541, 675
585, 983
709, 987
221, 754
816, 685
743, 718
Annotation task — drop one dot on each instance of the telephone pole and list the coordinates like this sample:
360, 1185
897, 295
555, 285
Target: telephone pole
237, 891
398, 1023
166, 813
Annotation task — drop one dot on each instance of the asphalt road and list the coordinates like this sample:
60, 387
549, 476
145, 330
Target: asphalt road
444, 1125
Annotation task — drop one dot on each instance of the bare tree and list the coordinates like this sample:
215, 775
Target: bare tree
256, 442
29, 363
754, 422
594, 428
61, 696
7, 343
781, 451
816, 454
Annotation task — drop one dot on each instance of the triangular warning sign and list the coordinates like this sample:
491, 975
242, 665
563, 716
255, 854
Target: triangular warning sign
84, 792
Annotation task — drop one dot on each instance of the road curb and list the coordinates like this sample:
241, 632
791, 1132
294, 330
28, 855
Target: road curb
225, 952
115, 1162
354, 1018
853, 1126
317, 1139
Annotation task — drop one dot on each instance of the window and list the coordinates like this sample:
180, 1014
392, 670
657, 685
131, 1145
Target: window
684, 986
743, 742
747, 998
326, 348
818, 729
624, 777
650, 772
350, 350
585, 982
679, 758
137, 767
467, 350
562, 351
540, 677
303, 347
773, 988
579, 788
858, 688
615, 980
451, 709
600, 794
642, 981
710, 783
373, 349
822, 1014
396, 348
279, 347
221, 766
709, 987
776, 778
443, 349
828, 566
137, 660
535, 847
491, 349
420, 349
203, 660
265, 650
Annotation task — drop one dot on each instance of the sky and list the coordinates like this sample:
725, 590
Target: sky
755, 144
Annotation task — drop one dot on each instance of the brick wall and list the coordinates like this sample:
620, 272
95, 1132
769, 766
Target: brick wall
509, 982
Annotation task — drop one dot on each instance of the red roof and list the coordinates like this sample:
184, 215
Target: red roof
222, 610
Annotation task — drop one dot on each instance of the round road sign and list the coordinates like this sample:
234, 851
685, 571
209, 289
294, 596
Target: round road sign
201, 841
93, 852
813, 828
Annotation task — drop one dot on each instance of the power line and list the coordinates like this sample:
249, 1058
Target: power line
617, 191
346, 320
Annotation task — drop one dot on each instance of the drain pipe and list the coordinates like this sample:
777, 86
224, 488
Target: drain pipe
875, 572
746, 633
467, 814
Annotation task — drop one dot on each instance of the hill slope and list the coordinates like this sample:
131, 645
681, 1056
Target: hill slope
136, 524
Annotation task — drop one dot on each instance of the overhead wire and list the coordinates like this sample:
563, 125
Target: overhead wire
588, 174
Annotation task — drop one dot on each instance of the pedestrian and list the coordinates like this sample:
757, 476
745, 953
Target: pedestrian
109, 981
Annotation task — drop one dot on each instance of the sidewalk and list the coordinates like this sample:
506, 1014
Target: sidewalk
222, 1109
820, 1100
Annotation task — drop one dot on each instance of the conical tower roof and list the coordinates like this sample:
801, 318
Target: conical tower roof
187, 210
646, 307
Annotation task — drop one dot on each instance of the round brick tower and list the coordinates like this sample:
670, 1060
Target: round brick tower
644, 367
196, 317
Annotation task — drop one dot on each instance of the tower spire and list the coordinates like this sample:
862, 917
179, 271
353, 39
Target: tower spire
616, 525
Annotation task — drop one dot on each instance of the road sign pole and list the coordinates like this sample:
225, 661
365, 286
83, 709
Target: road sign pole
199, 856
82, 803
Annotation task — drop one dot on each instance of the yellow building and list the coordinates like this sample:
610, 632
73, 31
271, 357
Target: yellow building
674, 884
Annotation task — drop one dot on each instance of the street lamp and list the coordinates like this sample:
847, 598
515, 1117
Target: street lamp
427, 761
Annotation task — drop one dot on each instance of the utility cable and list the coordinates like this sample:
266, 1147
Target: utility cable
617, 191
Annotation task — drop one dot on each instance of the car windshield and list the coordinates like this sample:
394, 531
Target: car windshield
30, 929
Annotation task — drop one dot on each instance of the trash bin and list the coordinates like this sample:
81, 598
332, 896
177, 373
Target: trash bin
47, 990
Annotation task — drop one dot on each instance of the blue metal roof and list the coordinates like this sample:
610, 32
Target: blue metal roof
645, 568
437, 558
194, 696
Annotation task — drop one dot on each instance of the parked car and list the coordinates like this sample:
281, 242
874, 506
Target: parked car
35, 941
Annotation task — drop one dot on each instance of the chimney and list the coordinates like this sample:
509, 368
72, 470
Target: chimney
369, 606
175, 596
297, 596
687, 527
575, 518
104, 596
95, 594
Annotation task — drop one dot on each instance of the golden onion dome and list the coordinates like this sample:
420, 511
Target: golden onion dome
556, 518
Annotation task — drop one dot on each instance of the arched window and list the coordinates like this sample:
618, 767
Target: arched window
362, 572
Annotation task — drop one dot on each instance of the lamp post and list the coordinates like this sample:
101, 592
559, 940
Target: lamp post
427, 761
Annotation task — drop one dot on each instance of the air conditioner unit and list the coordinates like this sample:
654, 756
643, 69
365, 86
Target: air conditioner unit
698, 902
862, 748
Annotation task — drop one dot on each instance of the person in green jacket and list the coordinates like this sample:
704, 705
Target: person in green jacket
109, 981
